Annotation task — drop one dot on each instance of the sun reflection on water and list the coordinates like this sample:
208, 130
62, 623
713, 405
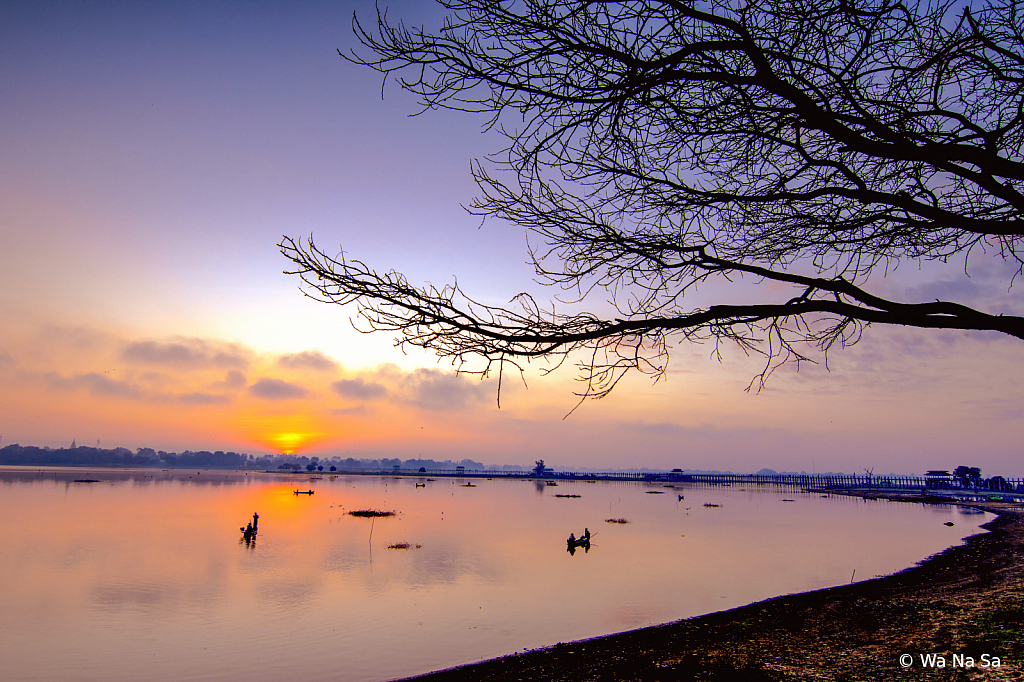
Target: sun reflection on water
146, 569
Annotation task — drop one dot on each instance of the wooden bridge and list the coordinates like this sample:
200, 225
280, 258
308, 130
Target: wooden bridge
826, 481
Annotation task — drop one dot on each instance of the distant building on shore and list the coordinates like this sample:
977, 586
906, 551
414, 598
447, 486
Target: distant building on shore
938, 479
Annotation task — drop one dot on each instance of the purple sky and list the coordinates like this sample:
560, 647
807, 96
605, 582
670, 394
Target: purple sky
154, 154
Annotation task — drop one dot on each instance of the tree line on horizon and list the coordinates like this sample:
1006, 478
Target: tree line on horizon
31, 455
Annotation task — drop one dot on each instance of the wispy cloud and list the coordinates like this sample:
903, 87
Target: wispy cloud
203, 399
187, 354
233, 379
96, 384
359, 389
351, 411
432, 389
277, 389
309, 359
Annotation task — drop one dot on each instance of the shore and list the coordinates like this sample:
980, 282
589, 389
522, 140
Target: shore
967, 601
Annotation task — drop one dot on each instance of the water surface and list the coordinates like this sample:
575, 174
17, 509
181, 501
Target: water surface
143, 576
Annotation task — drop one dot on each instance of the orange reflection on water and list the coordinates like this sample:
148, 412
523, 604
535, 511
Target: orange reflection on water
143, 575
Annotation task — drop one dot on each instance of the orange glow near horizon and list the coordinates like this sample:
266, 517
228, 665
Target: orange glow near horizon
285, 433
289, 442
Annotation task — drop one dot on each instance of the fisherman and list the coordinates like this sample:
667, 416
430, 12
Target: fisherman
572, 537
586, 534
255, 521
248, 532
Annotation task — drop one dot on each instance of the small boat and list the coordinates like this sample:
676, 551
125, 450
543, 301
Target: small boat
579, 542
421, 485
303, 492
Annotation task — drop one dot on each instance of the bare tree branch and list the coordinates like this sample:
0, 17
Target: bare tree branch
656, 145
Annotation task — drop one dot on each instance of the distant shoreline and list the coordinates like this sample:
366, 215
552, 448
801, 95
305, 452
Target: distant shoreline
967, 600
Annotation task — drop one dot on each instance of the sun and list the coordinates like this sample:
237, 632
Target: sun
287, 434
288, 442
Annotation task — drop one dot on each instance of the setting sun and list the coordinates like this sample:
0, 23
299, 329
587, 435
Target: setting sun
288, 443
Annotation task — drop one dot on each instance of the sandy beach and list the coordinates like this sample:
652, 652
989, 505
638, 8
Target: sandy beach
958, 615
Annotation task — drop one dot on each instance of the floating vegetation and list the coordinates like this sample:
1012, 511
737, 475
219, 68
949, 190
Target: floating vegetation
785, 500
567, 495
403, 545
709, 504
368, 513
655, 492
86, 480
616, 521
948, 523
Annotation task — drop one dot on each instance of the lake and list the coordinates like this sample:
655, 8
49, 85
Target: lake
143, 575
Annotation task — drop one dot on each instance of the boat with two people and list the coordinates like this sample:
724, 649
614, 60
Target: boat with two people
582, 541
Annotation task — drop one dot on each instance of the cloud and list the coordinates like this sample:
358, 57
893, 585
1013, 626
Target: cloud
276, 389
81, 338
96, 384
203, 399
187, 354
308, 359
349, 411
986, 287
959, 290
358, 389
233, 379
439, 391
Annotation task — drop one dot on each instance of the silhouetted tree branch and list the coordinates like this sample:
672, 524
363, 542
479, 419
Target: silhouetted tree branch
656, 145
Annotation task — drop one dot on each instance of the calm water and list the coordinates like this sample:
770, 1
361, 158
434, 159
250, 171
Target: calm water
142, 575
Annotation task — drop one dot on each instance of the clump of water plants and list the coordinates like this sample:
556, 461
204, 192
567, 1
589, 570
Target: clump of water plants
655, 492
370, 513
709, 504
568, 496
616, 521
403, 545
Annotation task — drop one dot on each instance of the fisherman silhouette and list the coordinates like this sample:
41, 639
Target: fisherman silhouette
255, 521
572, 537
586, 534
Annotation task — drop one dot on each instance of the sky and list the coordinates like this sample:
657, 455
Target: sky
155, 153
